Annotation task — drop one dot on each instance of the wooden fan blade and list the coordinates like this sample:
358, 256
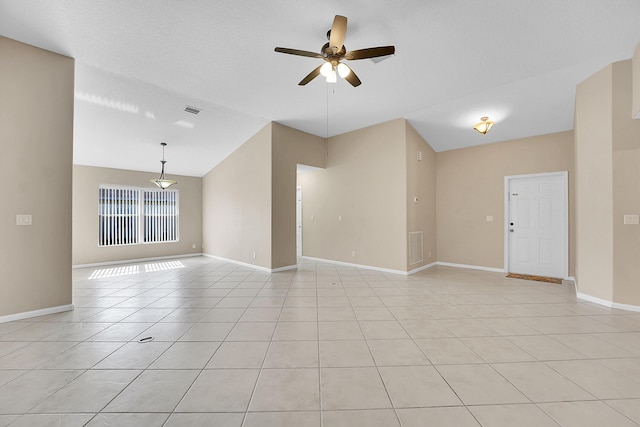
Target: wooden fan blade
353, 79
371, 52
298, 52
312, 75
338, 33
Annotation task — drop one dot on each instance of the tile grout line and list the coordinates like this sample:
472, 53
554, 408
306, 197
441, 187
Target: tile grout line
255, 385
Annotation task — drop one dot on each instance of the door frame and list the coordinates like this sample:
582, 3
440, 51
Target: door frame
298, 221
565, 217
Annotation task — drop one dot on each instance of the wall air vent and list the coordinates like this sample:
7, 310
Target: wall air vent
192, 110
415, 247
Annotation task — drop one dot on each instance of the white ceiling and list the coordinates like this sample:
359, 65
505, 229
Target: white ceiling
138, 63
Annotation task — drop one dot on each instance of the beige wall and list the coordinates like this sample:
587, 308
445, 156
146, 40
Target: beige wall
36, 128
594, 174
635, 87
626, 193
607, 144
237, 204
421, 183
290, 147
87, 179
365, 183
250, 198
470, 187
626, 178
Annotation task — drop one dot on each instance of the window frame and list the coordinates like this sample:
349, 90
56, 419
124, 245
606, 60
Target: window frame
139, 237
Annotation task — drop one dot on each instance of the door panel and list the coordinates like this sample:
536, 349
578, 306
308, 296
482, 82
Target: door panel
537, 209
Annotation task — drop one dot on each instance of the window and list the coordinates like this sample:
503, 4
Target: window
118, 211
129, 216
160, 216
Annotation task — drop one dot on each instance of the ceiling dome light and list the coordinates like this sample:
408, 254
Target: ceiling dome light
326, 69
332, 77
484, 126
343, 70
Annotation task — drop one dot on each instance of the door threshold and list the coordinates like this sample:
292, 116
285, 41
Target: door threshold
536, 278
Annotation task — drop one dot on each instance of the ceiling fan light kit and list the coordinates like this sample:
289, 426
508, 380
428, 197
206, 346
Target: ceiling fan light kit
326, 69
343, 70
334, 52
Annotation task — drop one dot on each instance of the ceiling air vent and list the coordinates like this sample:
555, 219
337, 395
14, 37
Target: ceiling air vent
192, 110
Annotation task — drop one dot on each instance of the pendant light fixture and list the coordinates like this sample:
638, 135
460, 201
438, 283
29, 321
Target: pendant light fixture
162, 182
484, 125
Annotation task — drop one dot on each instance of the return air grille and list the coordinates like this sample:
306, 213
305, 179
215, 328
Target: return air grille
415, 247
192, 110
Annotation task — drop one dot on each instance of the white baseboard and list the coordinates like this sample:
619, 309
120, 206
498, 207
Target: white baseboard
607, 303
419, 269
35, 313
286, 268
471, 267
350, 264
133, 261
369, 267
627, 307
593, 299
256, 267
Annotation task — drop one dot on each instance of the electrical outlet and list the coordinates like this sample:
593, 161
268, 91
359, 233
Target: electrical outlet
254, 255
24, 219
353, 253
193, 246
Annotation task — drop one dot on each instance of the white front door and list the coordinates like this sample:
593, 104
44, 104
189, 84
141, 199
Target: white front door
537, 224
298, 221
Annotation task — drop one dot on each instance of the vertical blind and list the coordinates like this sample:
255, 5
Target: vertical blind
160, 216
129, 216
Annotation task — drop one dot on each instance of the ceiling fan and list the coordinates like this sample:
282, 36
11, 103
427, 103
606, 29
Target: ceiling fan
334, 52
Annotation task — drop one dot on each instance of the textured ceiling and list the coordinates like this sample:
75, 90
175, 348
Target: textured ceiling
138, 63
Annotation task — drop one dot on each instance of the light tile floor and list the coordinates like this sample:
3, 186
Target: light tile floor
325, 345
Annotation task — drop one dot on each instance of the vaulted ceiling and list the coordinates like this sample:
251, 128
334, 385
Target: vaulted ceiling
139, 63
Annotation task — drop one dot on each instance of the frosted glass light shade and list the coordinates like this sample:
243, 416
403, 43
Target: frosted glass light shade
164, 183
343, 70
326, 69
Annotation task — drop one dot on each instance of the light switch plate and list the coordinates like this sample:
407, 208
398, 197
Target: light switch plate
23, 219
